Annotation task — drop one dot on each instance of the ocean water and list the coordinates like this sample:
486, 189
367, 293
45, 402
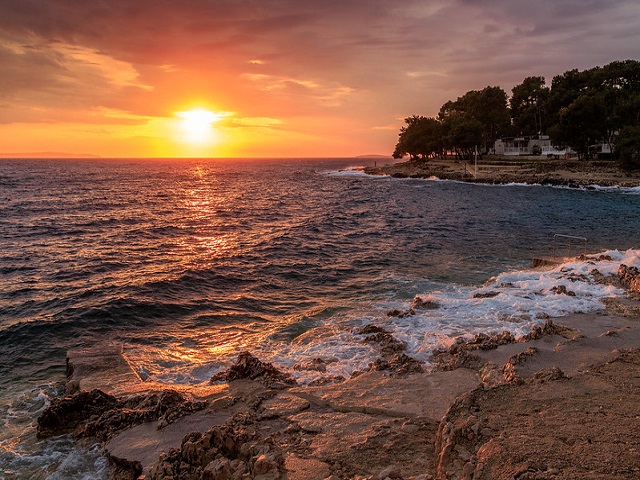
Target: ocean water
188, 262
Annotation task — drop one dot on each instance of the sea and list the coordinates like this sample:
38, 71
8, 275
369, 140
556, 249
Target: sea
187, 262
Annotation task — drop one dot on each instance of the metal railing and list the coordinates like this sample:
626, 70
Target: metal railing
567, 243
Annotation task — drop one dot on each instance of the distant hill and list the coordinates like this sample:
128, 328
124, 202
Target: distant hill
48, 155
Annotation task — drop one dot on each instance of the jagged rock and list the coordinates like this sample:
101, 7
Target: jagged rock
630, 277
122, 469
326, 381
446, 361
420, 304
509, 371
549, 328
64, 415
97, 414
491, 375
562, 290
166, 407
548, 375
249, 367
315, 365
400, 364
369, 329
220, 453
490, 294
400, 313
389, 345
390, 472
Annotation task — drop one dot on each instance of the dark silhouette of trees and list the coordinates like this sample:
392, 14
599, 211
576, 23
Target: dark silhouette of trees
529, 106
420, 138
580, 109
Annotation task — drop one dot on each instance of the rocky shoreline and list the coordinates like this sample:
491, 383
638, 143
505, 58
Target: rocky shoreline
559, 403
524, 170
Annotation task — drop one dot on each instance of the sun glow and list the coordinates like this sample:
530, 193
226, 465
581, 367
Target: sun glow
197, 125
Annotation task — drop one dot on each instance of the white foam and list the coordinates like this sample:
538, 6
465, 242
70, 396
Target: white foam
514, 301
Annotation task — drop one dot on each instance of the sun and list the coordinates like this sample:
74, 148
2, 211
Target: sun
197, 125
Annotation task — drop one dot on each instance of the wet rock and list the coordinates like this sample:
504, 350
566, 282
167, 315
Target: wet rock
388, 344
490, 294
165, 407
421, 304
369, 329
630, 277
562, 290
64, 415
400, 313
97, 414
400, 364
315, 365
249, 367
326, 381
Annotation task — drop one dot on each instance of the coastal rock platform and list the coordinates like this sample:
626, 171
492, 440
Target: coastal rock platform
516, 170
561, 403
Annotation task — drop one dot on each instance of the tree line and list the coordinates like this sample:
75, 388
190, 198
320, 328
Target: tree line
579, 109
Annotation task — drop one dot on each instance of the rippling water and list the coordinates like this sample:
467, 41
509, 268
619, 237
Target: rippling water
187, 262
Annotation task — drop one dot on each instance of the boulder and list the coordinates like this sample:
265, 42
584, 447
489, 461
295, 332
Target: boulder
250, 368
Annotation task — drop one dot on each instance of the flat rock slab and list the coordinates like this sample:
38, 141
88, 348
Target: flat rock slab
586, 427
419, 395
145, 443
101, 366
299, 468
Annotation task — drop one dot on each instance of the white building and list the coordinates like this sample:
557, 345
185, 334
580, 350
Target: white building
533, 145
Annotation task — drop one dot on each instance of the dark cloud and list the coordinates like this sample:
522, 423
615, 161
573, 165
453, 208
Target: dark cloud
394, 57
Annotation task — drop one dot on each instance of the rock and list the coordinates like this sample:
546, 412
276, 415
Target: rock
64, 415
389, 472
100, 415
369, 329
315, 365
490, 294
548, 375
562, 290
630, 277
389, 345
165, 407
509, 371
249, 367
400, 364
221, 453
549, 328
420, 304
491, 375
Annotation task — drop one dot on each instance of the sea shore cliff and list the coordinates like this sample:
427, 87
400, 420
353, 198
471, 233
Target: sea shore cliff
507, 170
559, 403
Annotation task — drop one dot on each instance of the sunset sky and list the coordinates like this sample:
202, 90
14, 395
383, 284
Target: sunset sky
274, 78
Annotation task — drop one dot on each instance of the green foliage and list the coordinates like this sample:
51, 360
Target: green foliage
529, 106
594, 105
628, 148
462, 133
421, 137
581, 108
488, 107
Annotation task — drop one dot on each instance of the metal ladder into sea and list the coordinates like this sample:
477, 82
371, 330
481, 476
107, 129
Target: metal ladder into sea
560, 242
